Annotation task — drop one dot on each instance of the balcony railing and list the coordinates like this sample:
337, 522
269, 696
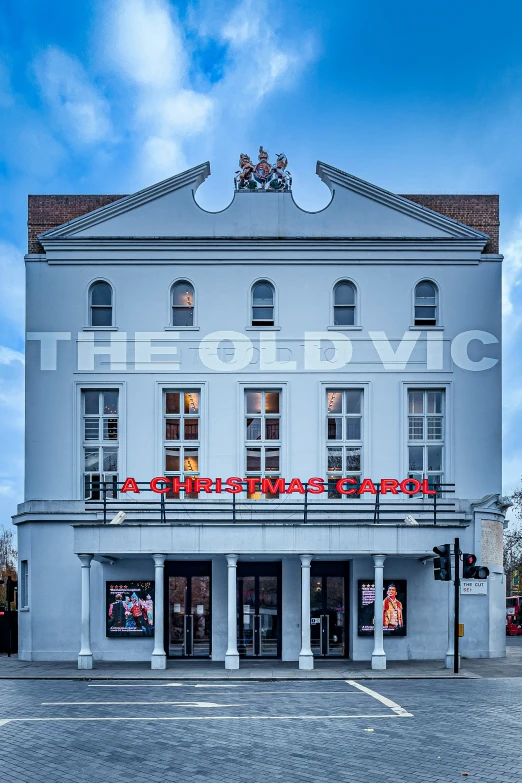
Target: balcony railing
105, 497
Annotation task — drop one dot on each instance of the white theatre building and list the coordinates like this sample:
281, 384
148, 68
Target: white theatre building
277, 392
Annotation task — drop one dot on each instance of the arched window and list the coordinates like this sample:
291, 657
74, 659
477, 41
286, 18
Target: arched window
263, 304
426, 303
344, 304
100, 304
182, 303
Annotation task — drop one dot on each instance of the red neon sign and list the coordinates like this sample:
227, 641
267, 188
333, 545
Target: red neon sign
315, 485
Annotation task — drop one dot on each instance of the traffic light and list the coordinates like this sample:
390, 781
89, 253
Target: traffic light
472, 571
442, 563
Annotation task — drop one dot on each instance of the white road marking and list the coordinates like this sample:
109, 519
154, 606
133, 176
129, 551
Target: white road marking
104, 703
163, 685
397, 709
208, 717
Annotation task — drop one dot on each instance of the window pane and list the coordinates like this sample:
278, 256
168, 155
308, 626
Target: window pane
263, 314
191, 460
191, 429
434, 427
101, 294
353, 459
335, 428
110, 429
272, 429
92, 461
425, 313
253, 429
172, 429
171, 459
92, 401
110, 460
334, 401
434, 402
332, 491
253, 402
353, 401
182, 316
416, 428
263, 294
434, 457
110, 402
254, 459
272, 402
353, 429
415, 458
191, 402
425, 290
344, 316
335, 459
344, 294
271, 459
101, 316
172, 402
183, 294
415, 399
92, 429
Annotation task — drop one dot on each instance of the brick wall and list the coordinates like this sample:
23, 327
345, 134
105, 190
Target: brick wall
480, 212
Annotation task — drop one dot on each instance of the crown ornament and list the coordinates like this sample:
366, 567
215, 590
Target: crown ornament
263, 176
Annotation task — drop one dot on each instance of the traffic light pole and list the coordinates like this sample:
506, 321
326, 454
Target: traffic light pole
457, 607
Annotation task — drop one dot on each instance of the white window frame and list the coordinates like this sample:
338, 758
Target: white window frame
268, 386
200, 443
77, 424
449, 425
195, 321
437, 326
357, 308
344, 444
23, 592
88, 317
100, 443
250, 311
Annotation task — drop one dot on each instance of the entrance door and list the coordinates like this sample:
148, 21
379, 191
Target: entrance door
188, 596
328, 599
259, 610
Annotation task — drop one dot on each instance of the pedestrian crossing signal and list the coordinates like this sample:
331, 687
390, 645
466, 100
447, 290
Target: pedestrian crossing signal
442, 563
472, 571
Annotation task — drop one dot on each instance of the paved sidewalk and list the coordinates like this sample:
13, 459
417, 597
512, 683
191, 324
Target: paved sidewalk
510, 666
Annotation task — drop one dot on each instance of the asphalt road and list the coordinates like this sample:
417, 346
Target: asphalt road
403, 731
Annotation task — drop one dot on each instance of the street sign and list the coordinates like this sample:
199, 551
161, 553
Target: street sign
473, 587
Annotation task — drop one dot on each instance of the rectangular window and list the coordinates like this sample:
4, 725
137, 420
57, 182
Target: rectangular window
100, 438
344, 428
181, 436
426, 435
263, 438
23, 593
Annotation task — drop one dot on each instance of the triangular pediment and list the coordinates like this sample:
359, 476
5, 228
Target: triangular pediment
357, 209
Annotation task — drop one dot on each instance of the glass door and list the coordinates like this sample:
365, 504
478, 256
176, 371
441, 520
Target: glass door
188, 600
328, 599
259, 609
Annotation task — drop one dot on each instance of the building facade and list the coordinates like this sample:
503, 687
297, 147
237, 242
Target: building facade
291, 409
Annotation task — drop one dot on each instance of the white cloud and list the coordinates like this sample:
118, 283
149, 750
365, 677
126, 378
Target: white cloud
12, 288
512, 269
8, 356
77, 104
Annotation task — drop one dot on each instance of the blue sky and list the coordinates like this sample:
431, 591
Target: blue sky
108, 97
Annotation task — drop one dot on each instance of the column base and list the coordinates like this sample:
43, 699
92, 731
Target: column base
85, 661
232, 661
306, 662
379, 662
448, 661
158, 661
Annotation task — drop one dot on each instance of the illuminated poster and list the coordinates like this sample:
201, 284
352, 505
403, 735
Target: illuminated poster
393, 611
129, 609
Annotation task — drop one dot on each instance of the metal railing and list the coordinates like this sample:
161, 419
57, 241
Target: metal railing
106, 497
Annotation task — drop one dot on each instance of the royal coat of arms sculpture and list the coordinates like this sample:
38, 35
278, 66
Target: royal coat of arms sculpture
263, 176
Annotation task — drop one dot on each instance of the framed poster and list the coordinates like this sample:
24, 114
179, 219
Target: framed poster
394, 607
129, 609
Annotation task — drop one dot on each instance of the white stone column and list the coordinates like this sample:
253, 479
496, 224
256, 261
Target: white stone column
85, 654
232, 655
306, 658
159, 659
378, 655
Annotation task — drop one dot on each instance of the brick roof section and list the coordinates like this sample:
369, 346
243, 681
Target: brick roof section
479, 212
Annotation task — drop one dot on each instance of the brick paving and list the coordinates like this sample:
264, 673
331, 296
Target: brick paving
272, 731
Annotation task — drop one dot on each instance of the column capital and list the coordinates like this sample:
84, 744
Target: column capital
159, 560
232, 560
306, 560
379, 560
85, 560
